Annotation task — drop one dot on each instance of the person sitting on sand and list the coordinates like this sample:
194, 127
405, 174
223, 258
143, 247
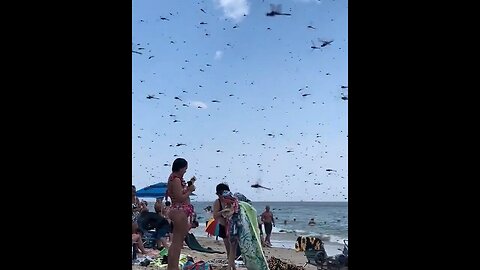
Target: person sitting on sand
311, 222
162, 234
137, 241
137, 207
165, 212
159, 207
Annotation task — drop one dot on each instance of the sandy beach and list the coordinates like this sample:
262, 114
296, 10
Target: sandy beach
287, 255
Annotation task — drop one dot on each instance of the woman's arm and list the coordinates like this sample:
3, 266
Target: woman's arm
216, 210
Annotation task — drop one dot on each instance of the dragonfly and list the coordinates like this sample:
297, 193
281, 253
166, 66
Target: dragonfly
325, 43
151, 96
257, 185
276, 10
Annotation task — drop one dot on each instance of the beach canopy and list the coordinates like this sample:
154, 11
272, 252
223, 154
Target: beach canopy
154, 191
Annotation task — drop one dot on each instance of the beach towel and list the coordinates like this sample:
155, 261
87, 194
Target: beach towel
308, 243
193, 244
158, 262
200, 265
250, 243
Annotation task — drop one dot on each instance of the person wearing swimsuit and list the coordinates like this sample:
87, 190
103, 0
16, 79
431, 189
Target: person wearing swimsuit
218, 214
180, 210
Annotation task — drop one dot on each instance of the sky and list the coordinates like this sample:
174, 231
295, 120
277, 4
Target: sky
242, 96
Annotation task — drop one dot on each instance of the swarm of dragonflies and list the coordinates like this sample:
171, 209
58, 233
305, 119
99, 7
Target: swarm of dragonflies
324, 44
276, 10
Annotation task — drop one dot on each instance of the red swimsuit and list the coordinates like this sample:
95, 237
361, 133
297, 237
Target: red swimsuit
184, 206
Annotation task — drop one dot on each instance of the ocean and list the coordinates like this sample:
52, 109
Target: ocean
331, 220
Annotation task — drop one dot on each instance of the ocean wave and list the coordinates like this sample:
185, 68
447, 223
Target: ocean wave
280, 230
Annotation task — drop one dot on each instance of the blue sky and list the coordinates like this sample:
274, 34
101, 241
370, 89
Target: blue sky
257, 67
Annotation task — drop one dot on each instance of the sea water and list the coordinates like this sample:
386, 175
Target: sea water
291, 221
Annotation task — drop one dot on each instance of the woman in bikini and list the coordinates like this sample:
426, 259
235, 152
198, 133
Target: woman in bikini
181, 209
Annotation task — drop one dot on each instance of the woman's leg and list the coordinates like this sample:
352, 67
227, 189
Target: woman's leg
180, 229
226, 242
232, 255
227, 246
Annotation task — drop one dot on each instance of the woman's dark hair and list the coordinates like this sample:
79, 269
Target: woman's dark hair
178, 164
221, 188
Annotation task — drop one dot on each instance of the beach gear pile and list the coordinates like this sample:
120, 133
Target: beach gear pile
316, 254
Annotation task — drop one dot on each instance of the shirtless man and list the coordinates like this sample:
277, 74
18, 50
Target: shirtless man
268, 221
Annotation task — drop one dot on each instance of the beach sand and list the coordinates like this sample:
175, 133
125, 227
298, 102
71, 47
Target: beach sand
287, 255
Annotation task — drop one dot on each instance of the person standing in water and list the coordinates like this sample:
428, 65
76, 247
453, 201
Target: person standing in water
268, 222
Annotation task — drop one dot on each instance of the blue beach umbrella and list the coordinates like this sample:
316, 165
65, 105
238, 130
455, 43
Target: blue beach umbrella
154, 191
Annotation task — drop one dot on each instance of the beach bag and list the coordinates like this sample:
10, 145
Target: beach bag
200, 265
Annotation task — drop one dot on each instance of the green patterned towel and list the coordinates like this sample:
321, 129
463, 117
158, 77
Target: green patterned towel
250, 243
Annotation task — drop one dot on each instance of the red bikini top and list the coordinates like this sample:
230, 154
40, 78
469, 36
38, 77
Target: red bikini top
182, 182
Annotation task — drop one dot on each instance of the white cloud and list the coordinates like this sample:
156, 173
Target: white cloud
234, 9
218, 55
198, 105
